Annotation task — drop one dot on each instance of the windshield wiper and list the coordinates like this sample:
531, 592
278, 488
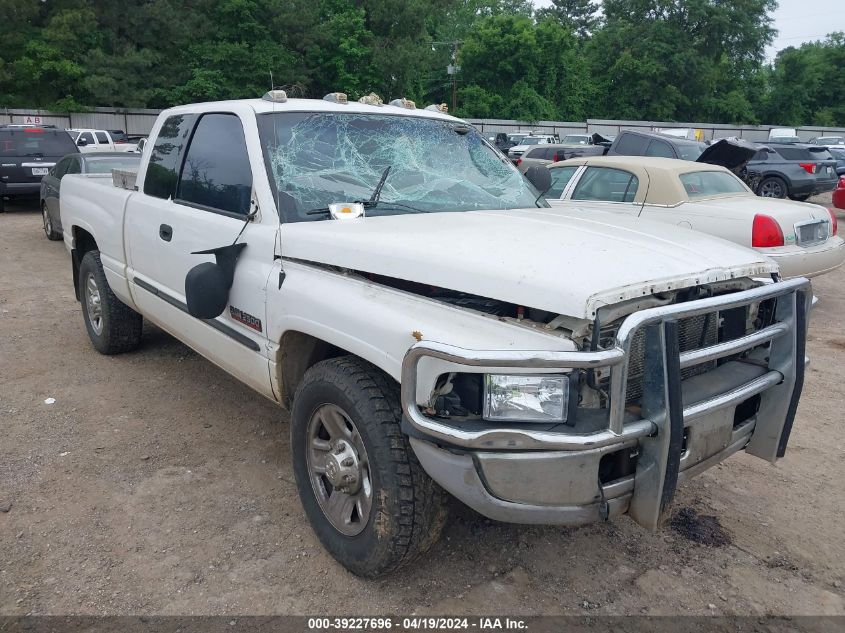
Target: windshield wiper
372, 203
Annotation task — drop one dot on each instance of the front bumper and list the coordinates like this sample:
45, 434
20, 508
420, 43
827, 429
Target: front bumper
552, 475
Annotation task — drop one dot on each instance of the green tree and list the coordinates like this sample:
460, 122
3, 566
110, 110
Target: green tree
581, 16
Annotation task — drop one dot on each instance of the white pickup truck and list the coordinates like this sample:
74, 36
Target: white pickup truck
432, 325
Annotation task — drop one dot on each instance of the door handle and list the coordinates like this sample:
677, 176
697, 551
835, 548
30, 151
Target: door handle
165, 232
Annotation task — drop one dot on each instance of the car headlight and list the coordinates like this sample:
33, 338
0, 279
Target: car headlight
526, 398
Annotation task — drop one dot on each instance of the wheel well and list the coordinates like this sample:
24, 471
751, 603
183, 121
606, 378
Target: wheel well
83, 242
298, 353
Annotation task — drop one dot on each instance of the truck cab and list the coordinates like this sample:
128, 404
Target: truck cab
386, 275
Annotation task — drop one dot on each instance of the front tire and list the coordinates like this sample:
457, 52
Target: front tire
366, 496
49, 229
772, 187
113, 327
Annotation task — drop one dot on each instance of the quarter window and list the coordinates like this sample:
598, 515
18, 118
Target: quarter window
216, 173
560, 178
607, 184
163, 169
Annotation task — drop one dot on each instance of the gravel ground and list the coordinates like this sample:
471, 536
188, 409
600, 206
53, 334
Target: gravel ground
157, 484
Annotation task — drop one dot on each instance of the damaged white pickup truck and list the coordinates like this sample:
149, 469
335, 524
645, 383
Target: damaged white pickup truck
434, 328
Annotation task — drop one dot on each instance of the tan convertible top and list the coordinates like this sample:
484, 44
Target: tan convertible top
661, 173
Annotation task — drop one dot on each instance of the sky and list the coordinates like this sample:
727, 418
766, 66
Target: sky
797, 21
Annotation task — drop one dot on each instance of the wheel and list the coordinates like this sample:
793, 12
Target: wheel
49, 231
366, 496
800, 198
772, 187
113, 327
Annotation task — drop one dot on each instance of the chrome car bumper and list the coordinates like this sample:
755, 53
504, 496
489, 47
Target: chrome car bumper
551, 475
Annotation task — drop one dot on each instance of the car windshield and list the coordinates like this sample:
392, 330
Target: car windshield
34, 141
831, 140
316, 159
575, 139
701, 184
104, 164
532, 140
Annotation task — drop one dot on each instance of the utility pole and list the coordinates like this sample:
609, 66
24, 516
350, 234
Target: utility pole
452, 69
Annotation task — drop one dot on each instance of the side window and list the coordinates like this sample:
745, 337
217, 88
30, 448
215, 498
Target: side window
74, 167
560, 178
607, 184
166, 157
101, 137
87, 137
631, 145
761, 155
216, 174
660, 148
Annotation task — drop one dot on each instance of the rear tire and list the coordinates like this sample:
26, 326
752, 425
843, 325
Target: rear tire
345, 427
772, 187
113, 327
49, 230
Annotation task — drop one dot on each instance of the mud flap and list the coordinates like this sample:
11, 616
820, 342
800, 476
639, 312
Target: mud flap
660, 455
779, 404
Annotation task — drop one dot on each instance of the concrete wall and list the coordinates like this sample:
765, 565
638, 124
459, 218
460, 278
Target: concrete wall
603, 126
131, 121
140, 121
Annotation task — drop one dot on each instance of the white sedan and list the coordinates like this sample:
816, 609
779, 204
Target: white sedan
800, 237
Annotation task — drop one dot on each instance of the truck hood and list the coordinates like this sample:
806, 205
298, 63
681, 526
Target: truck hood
568, 263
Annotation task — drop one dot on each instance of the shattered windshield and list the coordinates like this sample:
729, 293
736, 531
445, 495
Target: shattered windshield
317, 158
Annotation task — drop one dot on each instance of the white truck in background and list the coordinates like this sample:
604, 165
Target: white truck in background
387, 275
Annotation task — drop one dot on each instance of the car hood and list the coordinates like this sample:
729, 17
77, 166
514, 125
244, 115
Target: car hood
731, 153
552, 260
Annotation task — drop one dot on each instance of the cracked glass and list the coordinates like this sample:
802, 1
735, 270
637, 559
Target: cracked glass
315, 159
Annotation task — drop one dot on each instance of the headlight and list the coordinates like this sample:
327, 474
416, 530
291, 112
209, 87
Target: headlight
526, 398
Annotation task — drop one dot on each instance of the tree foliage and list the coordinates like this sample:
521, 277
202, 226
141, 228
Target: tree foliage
683, 60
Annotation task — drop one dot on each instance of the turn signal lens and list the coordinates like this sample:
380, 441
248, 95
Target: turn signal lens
834, 223
766, 232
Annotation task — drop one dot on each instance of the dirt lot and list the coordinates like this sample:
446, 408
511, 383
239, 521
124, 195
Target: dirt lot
158, 484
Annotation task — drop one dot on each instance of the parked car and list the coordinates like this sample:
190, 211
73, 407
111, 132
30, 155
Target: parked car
794, 170
783, 135
100, 163
26, 154
89, 140
431, 329
577, 139
121, 138
800, 237
838, 154
839, 194
515, 152
546, 155
829, 140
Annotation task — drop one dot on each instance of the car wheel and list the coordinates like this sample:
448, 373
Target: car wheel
113, 327
49, 230
772, 187
369, 501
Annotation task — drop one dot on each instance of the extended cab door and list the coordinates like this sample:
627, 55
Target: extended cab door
197, 193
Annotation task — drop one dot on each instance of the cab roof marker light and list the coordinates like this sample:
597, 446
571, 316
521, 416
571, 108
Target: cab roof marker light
336, 97
275, 96
371, 99
404, 103
434, 107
